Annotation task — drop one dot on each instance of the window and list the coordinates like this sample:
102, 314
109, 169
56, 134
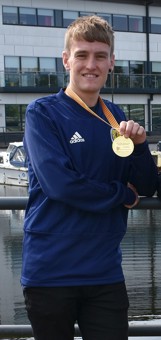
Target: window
137, 74
156, 118
47, 76
29, 67
121, 73
156, 77
155, 25
120, 22
47, 64
156, 67
58, 18
10, 15
82, 14
29, 64
137, 113
12, 68
15, 117
61, 74
12, 64
135, 23
106, 17
45, 17
27, 16
33, 71
68, 17
134, 112
121, 66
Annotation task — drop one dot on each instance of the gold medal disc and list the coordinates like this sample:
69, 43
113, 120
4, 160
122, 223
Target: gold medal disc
122, 146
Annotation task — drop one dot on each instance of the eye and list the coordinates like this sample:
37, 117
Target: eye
80, 55
101, 56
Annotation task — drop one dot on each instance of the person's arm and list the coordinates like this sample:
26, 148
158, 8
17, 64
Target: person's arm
159, 186
56, 175
144, 174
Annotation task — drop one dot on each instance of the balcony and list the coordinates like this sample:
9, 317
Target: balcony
51, 82
31, 82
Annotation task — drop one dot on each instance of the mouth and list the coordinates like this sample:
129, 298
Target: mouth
90, 76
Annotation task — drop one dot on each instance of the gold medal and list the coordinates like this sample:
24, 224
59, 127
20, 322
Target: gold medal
122, 146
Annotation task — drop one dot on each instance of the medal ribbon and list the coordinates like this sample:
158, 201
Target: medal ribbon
108, 114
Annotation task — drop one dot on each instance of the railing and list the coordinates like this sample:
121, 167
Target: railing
135, 329
21, 331
14, 203
60, 79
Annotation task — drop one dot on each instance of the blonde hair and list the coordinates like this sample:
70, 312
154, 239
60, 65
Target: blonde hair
90, 28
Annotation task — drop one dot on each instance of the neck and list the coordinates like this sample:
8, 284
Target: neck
88, 98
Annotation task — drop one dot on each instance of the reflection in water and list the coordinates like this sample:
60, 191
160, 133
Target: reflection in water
141, 262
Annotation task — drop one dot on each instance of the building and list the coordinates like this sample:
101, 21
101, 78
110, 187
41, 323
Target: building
31, 44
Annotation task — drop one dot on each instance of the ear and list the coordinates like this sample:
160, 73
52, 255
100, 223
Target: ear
112, 62
65, 57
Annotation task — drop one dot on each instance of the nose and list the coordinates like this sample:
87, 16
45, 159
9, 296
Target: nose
91, 62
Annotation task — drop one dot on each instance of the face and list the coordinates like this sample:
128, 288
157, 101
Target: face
89, 64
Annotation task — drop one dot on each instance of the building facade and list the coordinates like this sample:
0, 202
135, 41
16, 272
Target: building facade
31, 44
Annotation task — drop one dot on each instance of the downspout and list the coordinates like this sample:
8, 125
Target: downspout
149, 112
148, 64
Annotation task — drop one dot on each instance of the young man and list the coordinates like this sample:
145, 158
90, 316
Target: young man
81, 186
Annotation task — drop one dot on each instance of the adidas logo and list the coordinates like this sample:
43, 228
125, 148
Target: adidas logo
77, 138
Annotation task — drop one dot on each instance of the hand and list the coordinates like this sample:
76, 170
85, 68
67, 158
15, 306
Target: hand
133, 130
136, 194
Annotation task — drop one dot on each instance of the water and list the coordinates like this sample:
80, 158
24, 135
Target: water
141, 249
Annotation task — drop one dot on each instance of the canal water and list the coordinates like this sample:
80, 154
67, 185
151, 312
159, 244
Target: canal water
141, 250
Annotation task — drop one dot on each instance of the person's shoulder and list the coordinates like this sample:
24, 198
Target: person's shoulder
47, 100
44, 100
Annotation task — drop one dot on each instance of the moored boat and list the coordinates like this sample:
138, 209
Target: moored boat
13, 165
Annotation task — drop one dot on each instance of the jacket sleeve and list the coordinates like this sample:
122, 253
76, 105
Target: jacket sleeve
144, 173
56, 175
159, 186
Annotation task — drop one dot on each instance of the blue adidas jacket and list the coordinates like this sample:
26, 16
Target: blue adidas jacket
75, 217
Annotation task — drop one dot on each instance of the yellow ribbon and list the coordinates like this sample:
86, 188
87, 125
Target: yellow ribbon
108, 114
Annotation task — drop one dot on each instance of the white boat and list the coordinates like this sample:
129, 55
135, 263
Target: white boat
13, 165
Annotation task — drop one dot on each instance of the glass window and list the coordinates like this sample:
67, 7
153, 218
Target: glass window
82, 14
126, 109
47, 64
45, 17
120, 22
29, 67
68, 17
27, 16
156, 75
137, 67
135, 23
29, 64
106, 17
137, 113
46, 76
61, 73
11, 71
121, 74
15, 117
156, 117
134, 112
11, 64
156, 67
155, 25
121, 66
58, 18
137, 74
10, 15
